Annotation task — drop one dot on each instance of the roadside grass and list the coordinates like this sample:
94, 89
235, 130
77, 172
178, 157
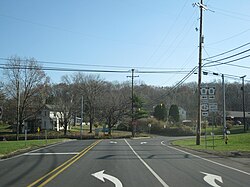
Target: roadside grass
8, 147
236, 142
236, 129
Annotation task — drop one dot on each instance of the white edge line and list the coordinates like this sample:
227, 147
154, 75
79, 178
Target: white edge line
1, 160
217, 163
147, 166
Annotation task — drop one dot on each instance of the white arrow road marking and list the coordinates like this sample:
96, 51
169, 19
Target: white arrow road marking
143, 143
101, 176
162, 143
113, 142
210, 179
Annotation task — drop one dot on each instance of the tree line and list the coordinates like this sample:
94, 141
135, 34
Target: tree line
26, 88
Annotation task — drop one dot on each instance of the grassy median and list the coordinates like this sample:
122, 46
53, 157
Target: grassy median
10, 147
236, 142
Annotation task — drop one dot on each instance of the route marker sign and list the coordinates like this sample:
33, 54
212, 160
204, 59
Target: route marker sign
204, 114
208, 102
213, 107
211, 91
204, 107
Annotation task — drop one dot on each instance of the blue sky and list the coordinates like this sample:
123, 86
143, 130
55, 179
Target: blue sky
141, 34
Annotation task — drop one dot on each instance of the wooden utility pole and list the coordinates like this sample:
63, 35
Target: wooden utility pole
132, 102
201, 38
243, 102
82, 108
18, 109
224, 106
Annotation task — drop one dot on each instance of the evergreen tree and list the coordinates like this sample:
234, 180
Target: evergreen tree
160, 112
174, 113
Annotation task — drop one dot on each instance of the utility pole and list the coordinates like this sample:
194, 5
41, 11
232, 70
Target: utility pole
201, 40
132, 103
243, 102
18, 108
81, 130
224, 106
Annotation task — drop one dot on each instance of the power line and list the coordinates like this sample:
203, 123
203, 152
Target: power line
213, 61
239, 66
64, 69
164, 72
231, 14
91, 65
223, 63
168, 52
227, 51
166, 35
3, 66
178, 84
235, 35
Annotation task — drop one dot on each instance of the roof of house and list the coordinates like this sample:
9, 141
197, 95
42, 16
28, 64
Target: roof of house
238, 114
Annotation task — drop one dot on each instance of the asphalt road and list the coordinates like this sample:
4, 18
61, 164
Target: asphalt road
124, 162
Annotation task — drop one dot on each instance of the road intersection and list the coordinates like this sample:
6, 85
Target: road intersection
120, 162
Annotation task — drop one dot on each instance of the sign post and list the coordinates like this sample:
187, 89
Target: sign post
208, 105
1, 112
204, 108
38, 130
25, 134
149, 128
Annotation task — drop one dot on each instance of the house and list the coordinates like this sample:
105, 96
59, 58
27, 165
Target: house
237, 115
47, 118
182, 114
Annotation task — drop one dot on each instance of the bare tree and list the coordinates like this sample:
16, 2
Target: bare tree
91, 87
25, 82
65, 101
114, 104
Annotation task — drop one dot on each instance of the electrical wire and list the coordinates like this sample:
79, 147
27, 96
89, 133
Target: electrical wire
3, 66
236, 35
177, 85
239, 66
227, 51
91, 65
213, 61
165, 72
166, 35
63, 69
231, 14
223, 63
168, 52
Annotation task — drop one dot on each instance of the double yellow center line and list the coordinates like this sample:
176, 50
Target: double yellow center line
52, 174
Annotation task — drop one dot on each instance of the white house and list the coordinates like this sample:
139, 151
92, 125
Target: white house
50, 118
47, 118
182, 114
